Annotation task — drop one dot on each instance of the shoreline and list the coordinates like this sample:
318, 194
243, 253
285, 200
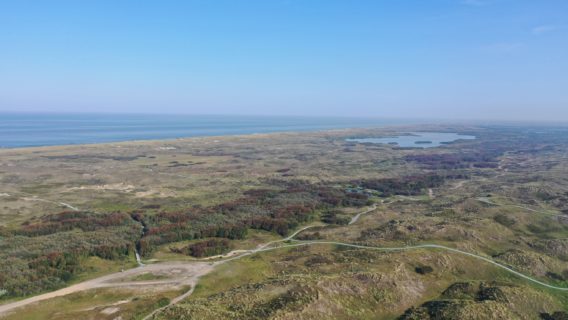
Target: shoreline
166, 140
38, 130
339, 132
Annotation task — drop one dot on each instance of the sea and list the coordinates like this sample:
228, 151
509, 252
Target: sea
34, 129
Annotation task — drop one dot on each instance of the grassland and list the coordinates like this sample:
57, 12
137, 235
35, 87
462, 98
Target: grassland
97, 304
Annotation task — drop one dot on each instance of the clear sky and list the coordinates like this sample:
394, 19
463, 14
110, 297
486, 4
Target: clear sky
466, 59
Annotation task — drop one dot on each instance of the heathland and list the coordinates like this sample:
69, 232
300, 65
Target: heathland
289, 226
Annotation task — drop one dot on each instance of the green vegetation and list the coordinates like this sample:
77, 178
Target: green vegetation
207, 248
503, 196
49, 252
106, 304
466, 300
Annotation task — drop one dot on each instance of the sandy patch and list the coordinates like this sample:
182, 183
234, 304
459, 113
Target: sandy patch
107, 187
110, 310
155, 193
108, 306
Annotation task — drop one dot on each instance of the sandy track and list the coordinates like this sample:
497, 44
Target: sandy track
356, 217
188, 273
183, 273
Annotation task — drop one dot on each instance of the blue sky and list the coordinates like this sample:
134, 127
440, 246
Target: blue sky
459, 59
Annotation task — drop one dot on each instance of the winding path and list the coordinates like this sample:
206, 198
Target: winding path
421, 246
356, 217
193, 271
487, 201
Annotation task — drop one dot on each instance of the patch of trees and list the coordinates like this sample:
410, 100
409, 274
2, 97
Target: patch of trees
275, 210
353, 199
56, 264
180, 231
280, 226
207, 248
39, 262
175, 232
69, 220
335, 217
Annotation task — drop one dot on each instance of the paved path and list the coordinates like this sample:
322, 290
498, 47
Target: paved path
422, 246
189, 273
355, 218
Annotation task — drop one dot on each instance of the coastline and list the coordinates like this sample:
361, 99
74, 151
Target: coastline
35, 130
383, 130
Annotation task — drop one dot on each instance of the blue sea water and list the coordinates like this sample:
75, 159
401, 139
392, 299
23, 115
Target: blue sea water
27, 130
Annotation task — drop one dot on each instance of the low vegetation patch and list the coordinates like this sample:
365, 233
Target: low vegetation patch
423, 269
207, 248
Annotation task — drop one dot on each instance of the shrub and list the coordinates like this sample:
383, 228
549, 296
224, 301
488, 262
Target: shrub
207, 248
423, 269
504, 220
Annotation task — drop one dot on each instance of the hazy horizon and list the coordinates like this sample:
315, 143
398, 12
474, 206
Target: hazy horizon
400, 120
464, 60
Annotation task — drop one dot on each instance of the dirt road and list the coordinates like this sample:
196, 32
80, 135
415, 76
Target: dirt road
181, 273
187, 273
